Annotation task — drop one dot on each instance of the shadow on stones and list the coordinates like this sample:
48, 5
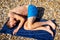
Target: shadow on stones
40, 12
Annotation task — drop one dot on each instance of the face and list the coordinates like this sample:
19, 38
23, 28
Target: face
12, 22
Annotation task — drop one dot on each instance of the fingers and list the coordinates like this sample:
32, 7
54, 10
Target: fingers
15, 31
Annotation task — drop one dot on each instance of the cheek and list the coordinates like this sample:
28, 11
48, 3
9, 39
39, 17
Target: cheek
14, 23
11, 23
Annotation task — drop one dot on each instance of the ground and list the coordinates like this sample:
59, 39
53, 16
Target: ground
52, 11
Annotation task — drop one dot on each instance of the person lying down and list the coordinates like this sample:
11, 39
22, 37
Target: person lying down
17, 14
31, 12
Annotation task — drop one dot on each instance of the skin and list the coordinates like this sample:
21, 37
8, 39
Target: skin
29, 25
20, 24
46, 28
22, 10
12, 22
18, 10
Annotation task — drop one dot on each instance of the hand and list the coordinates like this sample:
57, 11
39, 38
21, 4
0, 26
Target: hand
15, 31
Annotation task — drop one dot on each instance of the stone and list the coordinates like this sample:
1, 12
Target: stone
52, 11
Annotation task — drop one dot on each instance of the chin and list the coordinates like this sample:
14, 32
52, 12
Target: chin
10, 27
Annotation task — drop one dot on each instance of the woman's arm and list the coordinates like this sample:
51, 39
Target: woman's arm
22, 20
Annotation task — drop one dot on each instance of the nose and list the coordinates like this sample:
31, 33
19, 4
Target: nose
11, 24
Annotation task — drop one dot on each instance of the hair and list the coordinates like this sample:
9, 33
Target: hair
7, 23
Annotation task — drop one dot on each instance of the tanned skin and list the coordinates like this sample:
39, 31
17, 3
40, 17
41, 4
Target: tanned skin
28, 25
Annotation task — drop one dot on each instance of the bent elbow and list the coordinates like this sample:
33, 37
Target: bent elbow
22, 19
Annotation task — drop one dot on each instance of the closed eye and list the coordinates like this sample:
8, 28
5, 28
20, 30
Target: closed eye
15, 19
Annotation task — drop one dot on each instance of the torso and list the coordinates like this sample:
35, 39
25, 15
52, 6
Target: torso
22, 10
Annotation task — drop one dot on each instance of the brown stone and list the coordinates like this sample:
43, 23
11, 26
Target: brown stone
52, 11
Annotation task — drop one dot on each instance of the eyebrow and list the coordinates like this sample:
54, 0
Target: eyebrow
15, 19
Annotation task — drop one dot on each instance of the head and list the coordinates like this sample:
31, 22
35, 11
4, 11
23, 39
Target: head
12, 22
